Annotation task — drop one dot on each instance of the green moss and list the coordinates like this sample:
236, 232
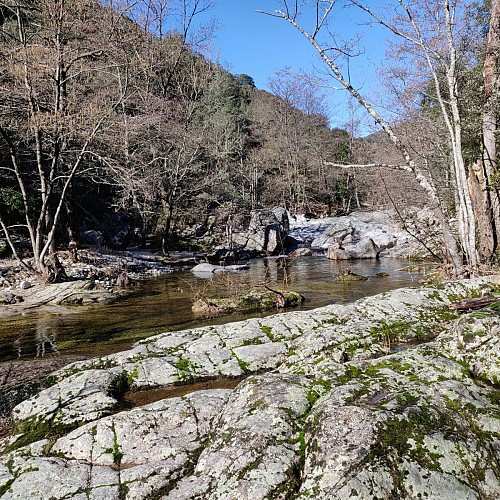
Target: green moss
350, 277
183, 364
132, 376
117, 453
6, 487
267, 330
389, 331
120, 385
185, 369
49, 381
404, 437
33, 430
435, 295
123, 490
242, 364
494, 397
351, 372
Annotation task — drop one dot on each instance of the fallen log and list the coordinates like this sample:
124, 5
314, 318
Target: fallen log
473, 304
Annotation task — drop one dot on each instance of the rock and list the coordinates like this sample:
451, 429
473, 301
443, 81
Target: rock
250, 458
350, 277
204, 269
301, 252
266, 231
91, 237
384, 228
335, 233
336, 253
24, 285
339, 414
363, 249
255, 300
223, 254
7, 297
281, 215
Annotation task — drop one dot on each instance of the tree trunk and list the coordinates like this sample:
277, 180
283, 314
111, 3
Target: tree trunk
169, 208
490, 194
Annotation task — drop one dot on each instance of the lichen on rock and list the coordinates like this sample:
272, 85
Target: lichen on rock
393, 396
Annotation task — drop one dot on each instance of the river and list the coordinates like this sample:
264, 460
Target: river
164, 304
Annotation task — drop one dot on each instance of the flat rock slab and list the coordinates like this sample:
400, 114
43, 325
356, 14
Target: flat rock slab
58, 295
329, 409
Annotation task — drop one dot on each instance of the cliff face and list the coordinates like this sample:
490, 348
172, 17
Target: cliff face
393, 396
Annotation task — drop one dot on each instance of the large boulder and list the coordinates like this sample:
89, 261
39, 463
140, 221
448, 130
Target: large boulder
336, 252
337, 231
392, 235
266, 232
363, 249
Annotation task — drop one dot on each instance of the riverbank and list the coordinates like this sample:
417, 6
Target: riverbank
394, 395
94, 278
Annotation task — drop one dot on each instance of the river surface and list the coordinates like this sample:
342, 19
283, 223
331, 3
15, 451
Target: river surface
164, 304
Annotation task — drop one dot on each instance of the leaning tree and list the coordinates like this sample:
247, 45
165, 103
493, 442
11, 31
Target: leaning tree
431, 33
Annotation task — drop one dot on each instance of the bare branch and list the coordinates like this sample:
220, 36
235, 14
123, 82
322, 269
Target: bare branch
406, 168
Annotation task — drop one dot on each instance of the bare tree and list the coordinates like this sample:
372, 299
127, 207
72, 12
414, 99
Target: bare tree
436, 46
158, 158
46, 129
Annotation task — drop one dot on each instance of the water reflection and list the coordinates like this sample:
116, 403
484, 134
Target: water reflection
38, 339
164, 304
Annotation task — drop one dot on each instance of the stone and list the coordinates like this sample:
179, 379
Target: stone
91, 237
335, 233
301, 252
364, 249
340, 402
267, 231
25, 284
7, 297
205, 269
384, 228
334, 252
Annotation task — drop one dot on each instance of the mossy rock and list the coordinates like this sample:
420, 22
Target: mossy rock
255, 300
87, 298
350, 277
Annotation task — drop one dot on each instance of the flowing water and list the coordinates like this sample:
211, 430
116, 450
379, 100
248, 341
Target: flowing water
164, 304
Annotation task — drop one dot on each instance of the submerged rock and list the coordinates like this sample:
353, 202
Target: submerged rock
341, 414
350, 277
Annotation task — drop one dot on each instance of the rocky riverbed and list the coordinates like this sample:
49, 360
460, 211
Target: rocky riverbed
392, 396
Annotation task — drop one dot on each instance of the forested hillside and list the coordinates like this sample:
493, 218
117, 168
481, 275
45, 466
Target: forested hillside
104, 113
114, 113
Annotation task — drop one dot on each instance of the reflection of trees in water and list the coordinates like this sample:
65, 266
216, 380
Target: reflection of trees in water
45, 338
277, 270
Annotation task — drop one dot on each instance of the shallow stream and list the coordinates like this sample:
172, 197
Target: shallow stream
164, 304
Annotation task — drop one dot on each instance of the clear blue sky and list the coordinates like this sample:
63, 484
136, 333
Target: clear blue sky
258, 45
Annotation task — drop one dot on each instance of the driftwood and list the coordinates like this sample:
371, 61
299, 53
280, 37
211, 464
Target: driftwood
280, 299
473, 304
